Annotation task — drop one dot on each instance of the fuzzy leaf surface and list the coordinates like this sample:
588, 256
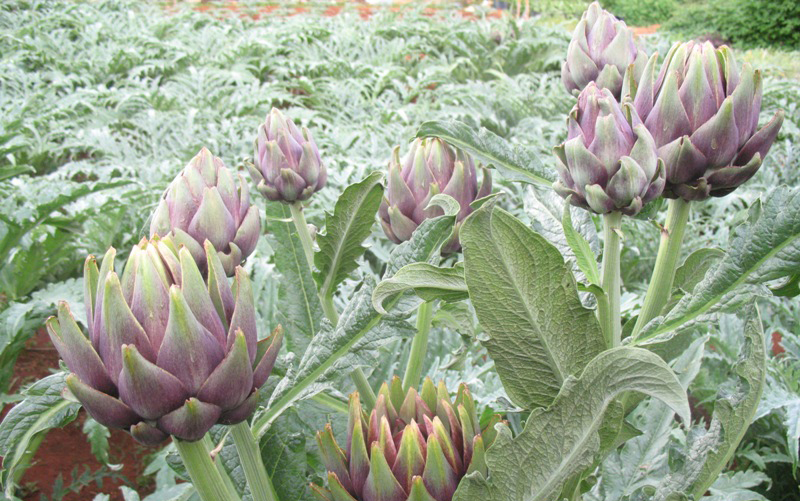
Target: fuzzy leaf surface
526, 300
426, 280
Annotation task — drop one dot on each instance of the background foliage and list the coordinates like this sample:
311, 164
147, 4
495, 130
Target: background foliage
104, 102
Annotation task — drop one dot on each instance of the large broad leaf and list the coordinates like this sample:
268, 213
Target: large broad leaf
426, 280
708, 451
561, 441
299, 309
25, 425
513, 161
360, 332
345, 230
765, 247
526, 300
642, 461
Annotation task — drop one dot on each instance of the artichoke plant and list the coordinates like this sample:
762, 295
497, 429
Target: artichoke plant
206, 202
609, 161
430, 167
411, 447
601, 51
286, 166
168, 353
703, 114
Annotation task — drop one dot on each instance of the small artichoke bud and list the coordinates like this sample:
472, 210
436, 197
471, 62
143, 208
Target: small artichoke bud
168, 353
209, 202
412, 446
430, 167
609, 161
287, 166
703, 114
602, 50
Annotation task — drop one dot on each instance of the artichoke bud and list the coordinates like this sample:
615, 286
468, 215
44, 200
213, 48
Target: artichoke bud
160, 360
703, 115
412, 446
602, 51
609, 162
287, 166
430, 167
207, 201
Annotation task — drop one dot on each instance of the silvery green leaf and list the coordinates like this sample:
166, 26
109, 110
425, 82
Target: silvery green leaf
427, 281
299, 308
345, 230
523, 292
562, 440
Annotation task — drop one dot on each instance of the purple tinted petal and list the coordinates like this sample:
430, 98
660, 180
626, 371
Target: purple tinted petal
194, 291
668, 120
190, 421
146, 434
718, 139
761, 141
232, 380
104, 408
242, 412
147, 389
244, 314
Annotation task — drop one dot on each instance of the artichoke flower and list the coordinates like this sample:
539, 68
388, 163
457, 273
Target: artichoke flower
609, 161
601, 51
430, 167
411, 447
286, 163
703, 114
168, 353
206, 202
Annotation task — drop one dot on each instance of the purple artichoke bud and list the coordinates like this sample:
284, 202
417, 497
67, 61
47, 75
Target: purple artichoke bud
286, 164
703, 115
609, 161
430, 167
206, 202
413, 446
168, 353
601, 51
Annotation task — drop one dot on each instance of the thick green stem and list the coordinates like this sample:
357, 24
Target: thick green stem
205, 477
608, 308
419, 346
246, 444
669, 250
213, 450
362, 385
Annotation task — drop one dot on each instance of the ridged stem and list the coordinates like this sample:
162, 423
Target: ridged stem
226, 478
247, 446
669, 250
205, 476
608, 309
368, 397
419, 346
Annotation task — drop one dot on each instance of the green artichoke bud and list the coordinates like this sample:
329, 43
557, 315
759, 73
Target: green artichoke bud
430, 167
703, 115
609, 161
168, 353
411, 447
602, 50
206, 202
286, 162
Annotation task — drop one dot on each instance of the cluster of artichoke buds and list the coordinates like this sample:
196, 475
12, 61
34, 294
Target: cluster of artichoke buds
206, 202
287, 166
703, 115
609, 161
602, 50
411, 447
430, 167
168, 352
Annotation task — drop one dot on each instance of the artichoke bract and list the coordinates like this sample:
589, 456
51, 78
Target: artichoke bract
413, 446
430, 167
287, 166
609, 161
601, 51
703, 115
168, 353
206, 202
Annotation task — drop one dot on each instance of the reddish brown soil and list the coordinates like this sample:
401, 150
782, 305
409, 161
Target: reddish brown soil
645, 30
777, 346
65, 449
